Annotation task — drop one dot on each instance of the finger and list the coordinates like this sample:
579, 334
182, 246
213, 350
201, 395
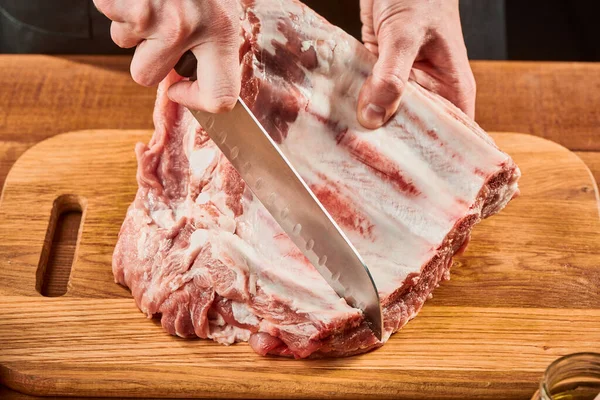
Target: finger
448, 73
380, 95
367, 31
465, 89
111, 8
135, 12
218, 85
123, 36
460, 89
459, 85
372, 47
152, 61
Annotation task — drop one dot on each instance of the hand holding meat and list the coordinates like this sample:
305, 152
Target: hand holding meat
163, 30
416, 38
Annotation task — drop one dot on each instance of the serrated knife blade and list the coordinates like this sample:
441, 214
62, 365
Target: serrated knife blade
276, 183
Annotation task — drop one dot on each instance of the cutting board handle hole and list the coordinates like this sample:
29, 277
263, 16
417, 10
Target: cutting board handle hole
60, 247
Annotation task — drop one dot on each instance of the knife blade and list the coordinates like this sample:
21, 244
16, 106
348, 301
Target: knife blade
282, 191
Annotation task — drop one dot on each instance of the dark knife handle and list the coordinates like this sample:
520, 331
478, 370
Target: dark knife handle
187, 65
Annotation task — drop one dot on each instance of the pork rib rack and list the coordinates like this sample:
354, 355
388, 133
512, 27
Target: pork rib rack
200, 251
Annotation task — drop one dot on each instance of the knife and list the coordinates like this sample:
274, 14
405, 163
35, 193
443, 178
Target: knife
283, 192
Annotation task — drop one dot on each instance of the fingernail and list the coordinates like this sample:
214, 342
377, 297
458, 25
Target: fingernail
374, 114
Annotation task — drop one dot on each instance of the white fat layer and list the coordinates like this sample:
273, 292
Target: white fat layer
141, 245
198, 238
228, 334
163, 218
243, 314
200, 159
306, 44
167, 217
203, 198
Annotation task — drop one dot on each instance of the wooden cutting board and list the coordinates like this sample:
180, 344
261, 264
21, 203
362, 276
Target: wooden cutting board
525, 293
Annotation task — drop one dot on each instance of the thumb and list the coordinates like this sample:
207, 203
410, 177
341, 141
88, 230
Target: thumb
380, 95
218, 79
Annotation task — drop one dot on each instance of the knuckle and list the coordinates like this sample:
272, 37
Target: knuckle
223, 95
390, 82
464, 85
140, 77
398, 27
142, 22
177, 33
103, 5
404, 40
223, 102
225, 28
398, 16
389, 11
180, 28
138, 31
119, 42
226, 14
117, 36
465, 92
222, 20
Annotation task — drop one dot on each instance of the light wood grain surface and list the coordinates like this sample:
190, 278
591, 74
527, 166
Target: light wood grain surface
45, 95
523, 294
42, 96
557, 101
592, 160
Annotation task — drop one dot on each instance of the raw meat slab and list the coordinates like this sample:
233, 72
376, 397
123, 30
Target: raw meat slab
199, 250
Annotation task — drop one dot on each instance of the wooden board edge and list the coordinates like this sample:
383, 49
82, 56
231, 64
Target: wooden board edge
67, 379
393, 384
564, 149
57, 138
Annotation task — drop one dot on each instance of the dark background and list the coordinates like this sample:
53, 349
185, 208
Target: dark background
559, 30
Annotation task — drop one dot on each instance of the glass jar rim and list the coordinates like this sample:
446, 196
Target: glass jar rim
582, 356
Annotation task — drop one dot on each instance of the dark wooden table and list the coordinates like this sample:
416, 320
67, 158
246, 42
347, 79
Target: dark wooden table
42, 96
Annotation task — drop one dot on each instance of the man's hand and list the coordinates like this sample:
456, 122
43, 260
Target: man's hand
163, 30
418, 38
